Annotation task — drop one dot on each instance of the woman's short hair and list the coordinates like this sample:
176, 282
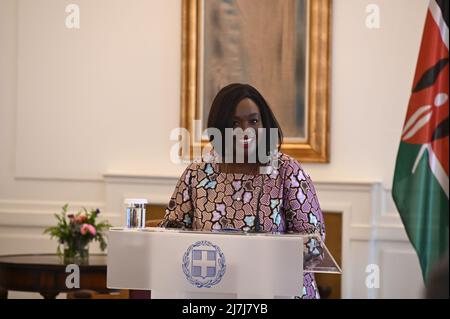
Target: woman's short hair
224, 106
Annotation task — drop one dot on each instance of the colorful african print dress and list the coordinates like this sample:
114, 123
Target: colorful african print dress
206, 199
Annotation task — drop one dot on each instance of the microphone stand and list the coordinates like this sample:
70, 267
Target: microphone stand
257, 229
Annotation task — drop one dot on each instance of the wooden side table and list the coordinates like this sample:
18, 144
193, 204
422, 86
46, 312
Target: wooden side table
46, 274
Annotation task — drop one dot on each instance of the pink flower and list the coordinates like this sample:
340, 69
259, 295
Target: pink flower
85, 228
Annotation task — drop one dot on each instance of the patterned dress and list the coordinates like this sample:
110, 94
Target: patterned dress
206, 199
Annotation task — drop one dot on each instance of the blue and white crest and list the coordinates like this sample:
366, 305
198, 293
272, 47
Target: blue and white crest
204, 264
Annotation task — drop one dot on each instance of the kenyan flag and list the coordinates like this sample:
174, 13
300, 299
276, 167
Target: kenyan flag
421, 183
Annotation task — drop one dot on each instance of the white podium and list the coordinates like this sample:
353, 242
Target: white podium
175, 263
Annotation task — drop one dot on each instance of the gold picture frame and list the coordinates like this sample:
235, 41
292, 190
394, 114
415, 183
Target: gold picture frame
315, 148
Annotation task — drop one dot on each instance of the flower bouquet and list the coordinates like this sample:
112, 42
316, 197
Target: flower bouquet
75, 231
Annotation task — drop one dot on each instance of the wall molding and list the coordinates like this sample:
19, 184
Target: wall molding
24, 213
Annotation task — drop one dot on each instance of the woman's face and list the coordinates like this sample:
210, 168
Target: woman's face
247, 116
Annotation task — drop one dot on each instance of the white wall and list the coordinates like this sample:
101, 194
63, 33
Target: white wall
78, 104
372, 76
103, 91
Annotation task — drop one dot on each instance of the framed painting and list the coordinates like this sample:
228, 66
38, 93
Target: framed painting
281, 47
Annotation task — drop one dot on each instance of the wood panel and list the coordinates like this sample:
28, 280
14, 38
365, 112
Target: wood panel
330, 284
155, 212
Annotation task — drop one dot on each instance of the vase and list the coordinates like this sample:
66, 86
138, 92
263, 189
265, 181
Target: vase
76, 253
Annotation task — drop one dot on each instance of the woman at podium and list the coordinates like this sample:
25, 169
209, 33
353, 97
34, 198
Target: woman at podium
242, 189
